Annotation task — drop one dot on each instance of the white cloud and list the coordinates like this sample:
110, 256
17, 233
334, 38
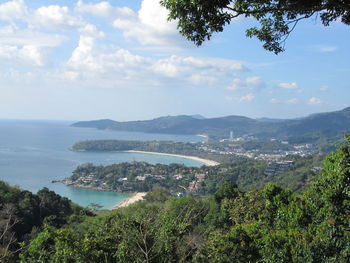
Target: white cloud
274, 100
196, 68
155, 16
236, 84
167, 67
68, 75
315, 101
327, 48
33, 54
82, 56
90, 59
255, 82
91, 30
150, 25
11, 10
57, 17
17, 37
26, 54
18, 43
292, 101
247, 98
121, 58
250, 83
202, 79
87, 57
104, 9
288, 85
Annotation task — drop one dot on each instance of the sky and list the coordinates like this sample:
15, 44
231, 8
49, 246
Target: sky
122, 60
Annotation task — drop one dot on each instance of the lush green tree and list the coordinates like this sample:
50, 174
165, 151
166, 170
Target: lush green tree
228, 190
245, 209
236, 245
269, 225
199, 19
8, 237
22, 215
328, 199
158, 195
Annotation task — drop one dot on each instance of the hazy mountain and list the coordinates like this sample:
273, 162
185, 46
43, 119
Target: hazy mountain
330, 123
99, 124
198, 116
270, 119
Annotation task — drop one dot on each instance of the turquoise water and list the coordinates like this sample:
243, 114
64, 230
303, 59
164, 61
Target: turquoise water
33, 153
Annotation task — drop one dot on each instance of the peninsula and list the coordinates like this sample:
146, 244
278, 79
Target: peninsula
194, 158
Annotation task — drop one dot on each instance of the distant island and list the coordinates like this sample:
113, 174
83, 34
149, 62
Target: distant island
308, 129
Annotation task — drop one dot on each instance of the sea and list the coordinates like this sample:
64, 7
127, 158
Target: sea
34, 153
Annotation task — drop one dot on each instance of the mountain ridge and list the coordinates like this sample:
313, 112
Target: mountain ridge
326, 123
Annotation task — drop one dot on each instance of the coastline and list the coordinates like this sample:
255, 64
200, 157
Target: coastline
194, 158
130, 200
74, 185
135, 197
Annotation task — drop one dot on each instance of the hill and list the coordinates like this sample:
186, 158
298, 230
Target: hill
328, 124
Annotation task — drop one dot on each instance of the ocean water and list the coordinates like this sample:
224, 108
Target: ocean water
33, 153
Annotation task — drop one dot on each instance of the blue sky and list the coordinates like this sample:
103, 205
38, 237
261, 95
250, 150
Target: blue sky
88, 59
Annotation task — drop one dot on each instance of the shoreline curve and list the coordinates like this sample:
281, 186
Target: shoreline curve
194, 158
130, 200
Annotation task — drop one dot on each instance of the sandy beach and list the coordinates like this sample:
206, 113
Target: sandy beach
132, 199
194, 158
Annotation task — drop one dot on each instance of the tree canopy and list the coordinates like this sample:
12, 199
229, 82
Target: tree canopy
199, 19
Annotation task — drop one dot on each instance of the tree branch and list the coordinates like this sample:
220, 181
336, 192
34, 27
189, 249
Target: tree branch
270, 10
341, 4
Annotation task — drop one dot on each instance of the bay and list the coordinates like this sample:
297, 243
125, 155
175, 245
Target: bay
33, 153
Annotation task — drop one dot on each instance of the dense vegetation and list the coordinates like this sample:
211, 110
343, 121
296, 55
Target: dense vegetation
316, 126
272, 224
183, 148
122, 145
24, 214
225, 151
176, 178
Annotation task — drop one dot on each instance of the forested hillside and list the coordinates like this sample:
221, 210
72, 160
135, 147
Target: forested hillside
23, 216
331, 124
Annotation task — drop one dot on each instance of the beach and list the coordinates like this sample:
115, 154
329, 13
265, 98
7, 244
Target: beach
194, 158
132, 199
203, 136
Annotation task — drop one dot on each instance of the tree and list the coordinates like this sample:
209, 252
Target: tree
329, 200
199, 19
7, 235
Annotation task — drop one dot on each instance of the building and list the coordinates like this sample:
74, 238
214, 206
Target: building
277, 167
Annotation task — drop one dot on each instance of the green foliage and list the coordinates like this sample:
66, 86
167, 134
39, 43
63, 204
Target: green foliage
141, 233
198, 20
158, 195
227, 190
267, 225
233, 246
248, 174
153, 177
22, 215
